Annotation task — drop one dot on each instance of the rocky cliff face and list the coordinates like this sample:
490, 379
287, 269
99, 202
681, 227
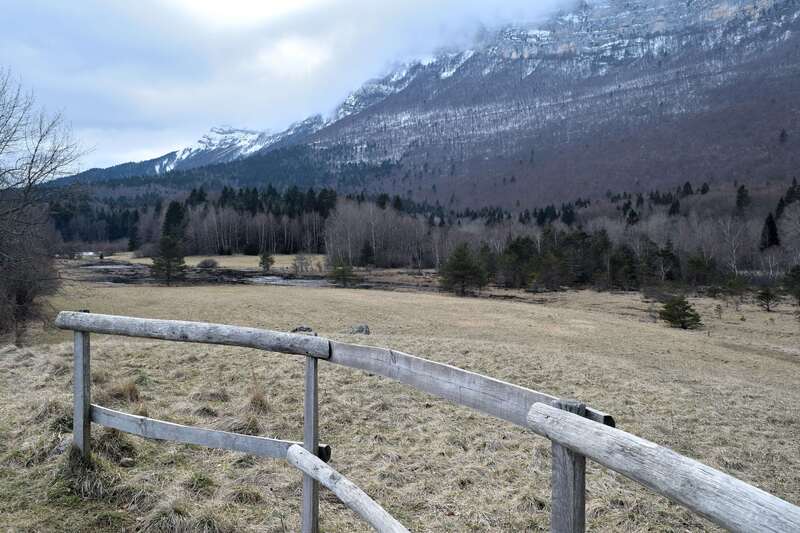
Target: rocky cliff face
612, 94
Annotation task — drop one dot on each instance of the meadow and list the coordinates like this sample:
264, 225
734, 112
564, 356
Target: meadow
283, 262
727, 395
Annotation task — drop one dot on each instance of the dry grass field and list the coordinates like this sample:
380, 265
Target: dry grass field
243, 262
728, 395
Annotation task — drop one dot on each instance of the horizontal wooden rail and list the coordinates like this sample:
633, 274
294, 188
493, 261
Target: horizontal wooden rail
723, 499
160, 430
199, 332
350, 495
488, 395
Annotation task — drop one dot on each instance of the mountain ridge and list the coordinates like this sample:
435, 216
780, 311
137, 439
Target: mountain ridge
612, 94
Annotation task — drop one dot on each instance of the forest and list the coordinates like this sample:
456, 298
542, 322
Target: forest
694, 234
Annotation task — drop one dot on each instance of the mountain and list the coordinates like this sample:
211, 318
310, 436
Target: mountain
614, 94
220, 145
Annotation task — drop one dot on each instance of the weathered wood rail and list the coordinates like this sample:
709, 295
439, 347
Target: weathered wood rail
722, 499
576, 431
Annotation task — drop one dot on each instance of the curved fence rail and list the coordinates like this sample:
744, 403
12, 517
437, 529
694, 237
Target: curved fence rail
353, 497
722, 499
576, 431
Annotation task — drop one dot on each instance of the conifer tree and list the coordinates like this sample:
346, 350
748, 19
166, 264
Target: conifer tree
679, 313
462, 271
342, 273
769, 234
169, 264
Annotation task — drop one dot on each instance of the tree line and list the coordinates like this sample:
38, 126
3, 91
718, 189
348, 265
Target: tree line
696, 235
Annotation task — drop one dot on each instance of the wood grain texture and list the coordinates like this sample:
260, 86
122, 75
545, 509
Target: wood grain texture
350, 495
488, 395
568, 482
200, 332
160, 430
82, 394
722, 499
310, 503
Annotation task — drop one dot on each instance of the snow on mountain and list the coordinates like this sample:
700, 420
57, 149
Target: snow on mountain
610, 93
219, 145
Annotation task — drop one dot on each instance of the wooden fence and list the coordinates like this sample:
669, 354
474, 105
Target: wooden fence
576, 431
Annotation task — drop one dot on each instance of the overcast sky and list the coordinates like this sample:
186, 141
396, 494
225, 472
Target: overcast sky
140, 78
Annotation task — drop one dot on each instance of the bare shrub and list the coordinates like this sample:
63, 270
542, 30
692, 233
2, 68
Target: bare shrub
34, 148
258, 402
208, 264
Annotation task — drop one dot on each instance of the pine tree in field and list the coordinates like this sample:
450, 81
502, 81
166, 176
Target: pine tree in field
168, 264
462, 271
679, 313
767, 299
769, 234
342, 274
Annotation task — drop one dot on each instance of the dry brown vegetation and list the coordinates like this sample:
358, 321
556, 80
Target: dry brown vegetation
727, 395
283, 263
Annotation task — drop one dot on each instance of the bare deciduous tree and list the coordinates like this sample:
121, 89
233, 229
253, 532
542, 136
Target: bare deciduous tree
35, 147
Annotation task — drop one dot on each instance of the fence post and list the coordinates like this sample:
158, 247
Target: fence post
568, 513
82, 400
310, 505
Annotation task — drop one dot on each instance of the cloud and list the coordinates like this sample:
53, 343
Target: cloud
243, 13
154, 73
